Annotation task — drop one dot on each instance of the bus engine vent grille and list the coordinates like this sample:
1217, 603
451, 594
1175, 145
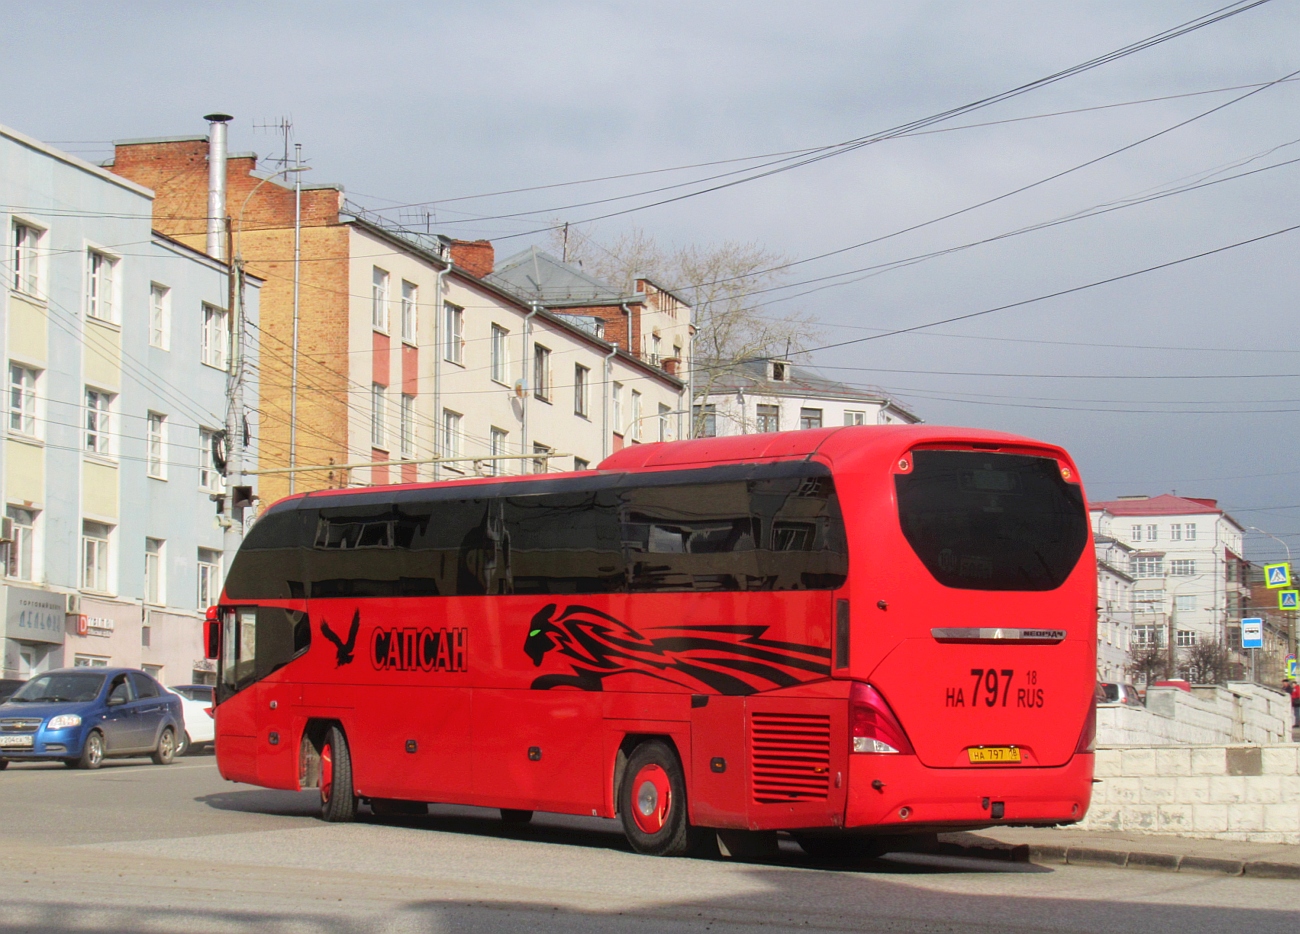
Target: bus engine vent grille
791, 757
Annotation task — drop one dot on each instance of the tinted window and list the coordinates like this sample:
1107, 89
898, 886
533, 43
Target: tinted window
144, 685
748, 533
985, 521
75, 687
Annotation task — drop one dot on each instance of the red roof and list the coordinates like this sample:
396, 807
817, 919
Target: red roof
1165, 504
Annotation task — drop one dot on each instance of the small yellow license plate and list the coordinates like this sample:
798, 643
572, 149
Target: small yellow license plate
994, 754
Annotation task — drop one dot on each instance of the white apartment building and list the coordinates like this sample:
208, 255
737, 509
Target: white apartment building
775, 395
1189, 576
1114, 609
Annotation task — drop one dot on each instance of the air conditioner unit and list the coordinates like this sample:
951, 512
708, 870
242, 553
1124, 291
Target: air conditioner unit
72, 604
6, 529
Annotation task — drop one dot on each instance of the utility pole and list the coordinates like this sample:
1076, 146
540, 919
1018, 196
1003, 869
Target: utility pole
297, 260
234, 530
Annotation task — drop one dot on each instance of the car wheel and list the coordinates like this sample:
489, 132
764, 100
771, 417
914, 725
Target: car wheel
652, 802
338, 802
166, 750
92, 753
513, 816
184, 745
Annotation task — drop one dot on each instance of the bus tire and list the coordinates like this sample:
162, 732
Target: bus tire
338, 802
652, 802
515, 816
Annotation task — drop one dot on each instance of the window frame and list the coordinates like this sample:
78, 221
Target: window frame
156, 445
500, 354
379, 416
208, 577
661, 418
706, 419
498, 439
406, 426
101, 289
766, 414
379, 284
22, 550
616, 405
636, 415
541, 373
581, 390
214, 350
98, 566
809, 415
160, 316
155, 571
26, 410
453, 336
410, 312
27, 263
207, 462
452, 434
98, 424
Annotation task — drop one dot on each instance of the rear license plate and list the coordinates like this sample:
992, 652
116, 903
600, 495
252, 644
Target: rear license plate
994, 754
15, 742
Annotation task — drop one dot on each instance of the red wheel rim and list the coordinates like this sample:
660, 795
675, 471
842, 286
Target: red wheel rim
652, 798
326, 772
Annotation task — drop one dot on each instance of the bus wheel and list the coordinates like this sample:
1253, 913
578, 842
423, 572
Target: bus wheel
652, 802
513, 816
337, 801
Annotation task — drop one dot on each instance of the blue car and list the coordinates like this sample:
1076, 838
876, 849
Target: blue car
81, 716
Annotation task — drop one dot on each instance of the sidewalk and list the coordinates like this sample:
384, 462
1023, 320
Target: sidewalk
1051, 845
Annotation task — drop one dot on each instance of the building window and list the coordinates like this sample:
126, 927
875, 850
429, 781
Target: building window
1182, 567
216, 336
94, 556
21, 548
89, 661
706, 421
541, 372
154, 568
22, 400
209, 577
210, 467
855, 418
157, 446
378, 415
160, 316
1135, 533
410, 302
1148, 635
500, 354
780, 372
379, 300
810, 418
663, 421
580, 464
636, 415
1189, 532
99, 421
99, 286
408, 426
1152, 533
454, 334
1184, 602
616, 405
1146, 566
26, 258
1176, 532
497, 448
1185, 638
581, 379
450, 433
768, 418
541, 464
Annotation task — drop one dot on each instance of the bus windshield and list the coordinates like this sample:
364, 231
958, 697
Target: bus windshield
986, 521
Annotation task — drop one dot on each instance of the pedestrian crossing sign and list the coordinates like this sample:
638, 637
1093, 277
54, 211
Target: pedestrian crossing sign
1288, 599
1277, 575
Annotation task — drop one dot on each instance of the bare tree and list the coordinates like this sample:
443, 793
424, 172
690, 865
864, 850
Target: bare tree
724, 283
1148, 663
1206, 662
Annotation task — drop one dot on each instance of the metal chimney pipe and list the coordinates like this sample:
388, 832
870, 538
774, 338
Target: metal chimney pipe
217, 184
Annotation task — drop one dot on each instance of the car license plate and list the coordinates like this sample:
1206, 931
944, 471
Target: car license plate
994, 754
15, 742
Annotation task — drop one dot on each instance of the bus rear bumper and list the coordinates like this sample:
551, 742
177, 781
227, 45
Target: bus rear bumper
898, 793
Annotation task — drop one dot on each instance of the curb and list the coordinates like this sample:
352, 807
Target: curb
1048, 855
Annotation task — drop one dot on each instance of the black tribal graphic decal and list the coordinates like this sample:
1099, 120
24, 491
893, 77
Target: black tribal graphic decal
726, 659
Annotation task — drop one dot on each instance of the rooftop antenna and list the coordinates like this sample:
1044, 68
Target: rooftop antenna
281, 125
564, 255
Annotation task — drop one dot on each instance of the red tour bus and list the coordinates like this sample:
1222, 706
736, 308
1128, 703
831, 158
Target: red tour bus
848, 634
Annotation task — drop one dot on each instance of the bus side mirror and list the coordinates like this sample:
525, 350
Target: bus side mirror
212, 633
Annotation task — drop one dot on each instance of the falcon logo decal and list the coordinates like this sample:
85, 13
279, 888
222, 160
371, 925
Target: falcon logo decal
344, 650
724, 659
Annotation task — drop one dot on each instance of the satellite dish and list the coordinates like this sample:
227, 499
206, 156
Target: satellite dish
520, 388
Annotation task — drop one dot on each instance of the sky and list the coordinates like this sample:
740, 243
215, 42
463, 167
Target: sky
1182, 379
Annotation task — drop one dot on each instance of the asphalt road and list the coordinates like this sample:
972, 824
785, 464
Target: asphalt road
144, 848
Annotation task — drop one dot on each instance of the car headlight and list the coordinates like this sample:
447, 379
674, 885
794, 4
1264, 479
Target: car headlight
63, 721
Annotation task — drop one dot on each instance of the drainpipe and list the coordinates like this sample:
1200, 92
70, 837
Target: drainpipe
604, 409
438, 312
217, 185
525, 334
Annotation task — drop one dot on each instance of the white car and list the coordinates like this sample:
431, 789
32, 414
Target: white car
200, 728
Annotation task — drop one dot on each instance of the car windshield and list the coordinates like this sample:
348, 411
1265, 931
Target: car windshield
72, 687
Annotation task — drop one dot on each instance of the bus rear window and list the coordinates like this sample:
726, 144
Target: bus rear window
983, 521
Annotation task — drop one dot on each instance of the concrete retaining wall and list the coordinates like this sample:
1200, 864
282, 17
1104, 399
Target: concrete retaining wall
1241, 712
1249, 793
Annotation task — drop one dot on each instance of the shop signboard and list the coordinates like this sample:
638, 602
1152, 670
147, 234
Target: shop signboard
34, 615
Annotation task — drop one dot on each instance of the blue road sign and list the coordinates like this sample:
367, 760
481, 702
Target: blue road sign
1277, 575
1252, 633
1288, 599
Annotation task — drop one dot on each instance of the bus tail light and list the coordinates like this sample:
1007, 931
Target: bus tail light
1088, 738
872, 725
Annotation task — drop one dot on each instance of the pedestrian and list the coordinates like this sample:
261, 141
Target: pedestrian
1295, 703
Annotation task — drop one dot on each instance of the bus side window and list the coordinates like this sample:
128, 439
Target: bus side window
691, 537
565, 543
